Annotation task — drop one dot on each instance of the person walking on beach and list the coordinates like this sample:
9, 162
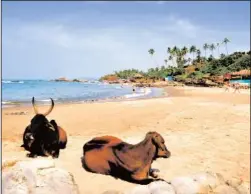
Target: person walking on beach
236, 87
227, 86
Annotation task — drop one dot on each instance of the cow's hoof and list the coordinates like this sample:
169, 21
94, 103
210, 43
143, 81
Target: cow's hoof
160, 179
31, 155
153, 173
55, 156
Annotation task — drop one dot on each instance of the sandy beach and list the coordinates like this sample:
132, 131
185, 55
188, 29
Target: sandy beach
204, 128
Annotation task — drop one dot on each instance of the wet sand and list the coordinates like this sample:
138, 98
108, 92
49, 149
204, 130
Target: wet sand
204, 128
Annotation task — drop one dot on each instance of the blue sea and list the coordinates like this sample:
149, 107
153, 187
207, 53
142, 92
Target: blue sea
20, 92
241, 81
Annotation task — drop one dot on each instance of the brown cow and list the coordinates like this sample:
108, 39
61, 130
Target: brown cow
111, 156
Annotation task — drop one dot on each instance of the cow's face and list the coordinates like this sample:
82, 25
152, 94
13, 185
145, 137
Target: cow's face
159, 142
38, 123
28, 139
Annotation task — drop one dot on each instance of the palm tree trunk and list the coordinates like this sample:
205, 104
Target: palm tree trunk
226, 49
153, 61
218, 51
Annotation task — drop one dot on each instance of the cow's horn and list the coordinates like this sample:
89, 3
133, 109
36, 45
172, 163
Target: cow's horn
49, 111
34, 105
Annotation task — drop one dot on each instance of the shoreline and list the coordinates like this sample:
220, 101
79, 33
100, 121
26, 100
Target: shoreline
168, 92
152, 94
161, 85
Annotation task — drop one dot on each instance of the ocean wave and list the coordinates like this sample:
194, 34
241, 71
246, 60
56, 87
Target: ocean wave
47, 100
12, 82
9, 102
143, 92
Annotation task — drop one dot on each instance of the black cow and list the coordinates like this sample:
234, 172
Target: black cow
42, 137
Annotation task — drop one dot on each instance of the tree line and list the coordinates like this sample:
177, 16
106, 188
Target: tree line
202, 65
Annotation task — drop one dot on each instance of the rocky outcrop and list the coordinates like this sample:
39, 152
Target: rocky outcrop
203, 183
198, 82
159, 84
63, 79
36, 176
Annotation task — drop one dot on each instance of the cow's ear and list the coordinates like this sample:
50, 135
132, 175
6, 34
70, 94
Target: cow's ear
156, 140
53, 122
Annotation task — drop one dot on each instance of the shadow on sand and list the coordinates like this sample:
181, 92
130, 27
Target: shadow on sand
119, 173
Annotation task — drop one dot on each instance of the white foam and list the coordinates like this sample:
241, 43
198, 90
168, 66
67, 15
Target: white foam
143, 92
13, 82
47, 100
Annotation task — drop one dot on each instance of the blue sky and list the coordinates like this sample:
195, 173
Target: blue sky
89, 39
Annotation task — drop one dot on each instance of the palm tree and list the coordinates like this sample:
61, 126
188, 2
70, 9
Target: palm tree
218, 48
184, 51
205, 47
192, 50
212, 47
175, 50
189, 60
169, 50
151, 51
222, 55
165, 62
225, 41
171, 59
175, 53
198, 54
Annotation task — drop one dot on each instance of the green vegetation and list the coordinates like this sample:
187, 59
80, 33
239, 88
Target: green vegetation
182, 66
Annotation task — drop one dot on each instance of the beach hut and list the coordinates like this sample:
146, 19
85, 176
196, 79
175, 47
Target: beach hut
245, 72
241, 73
138, 76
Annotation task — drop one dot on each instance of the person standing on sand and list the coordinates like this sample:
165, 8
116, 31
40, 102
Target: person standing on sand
227, 86
145, 89
236, 87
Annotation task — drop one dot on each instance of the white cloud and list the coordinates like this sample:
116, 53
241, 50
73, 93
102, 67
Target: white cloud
160, 2
83, 50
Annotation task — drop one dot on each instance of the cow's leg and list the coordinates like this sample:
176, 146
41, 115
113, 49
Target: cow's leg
34, 150
153, 173
55, 150
56, 154
141, 176
31, 155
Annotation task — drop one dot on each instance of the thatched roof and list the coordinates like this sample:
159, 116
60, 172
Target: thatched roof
206, 75
242, 72
137, 75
